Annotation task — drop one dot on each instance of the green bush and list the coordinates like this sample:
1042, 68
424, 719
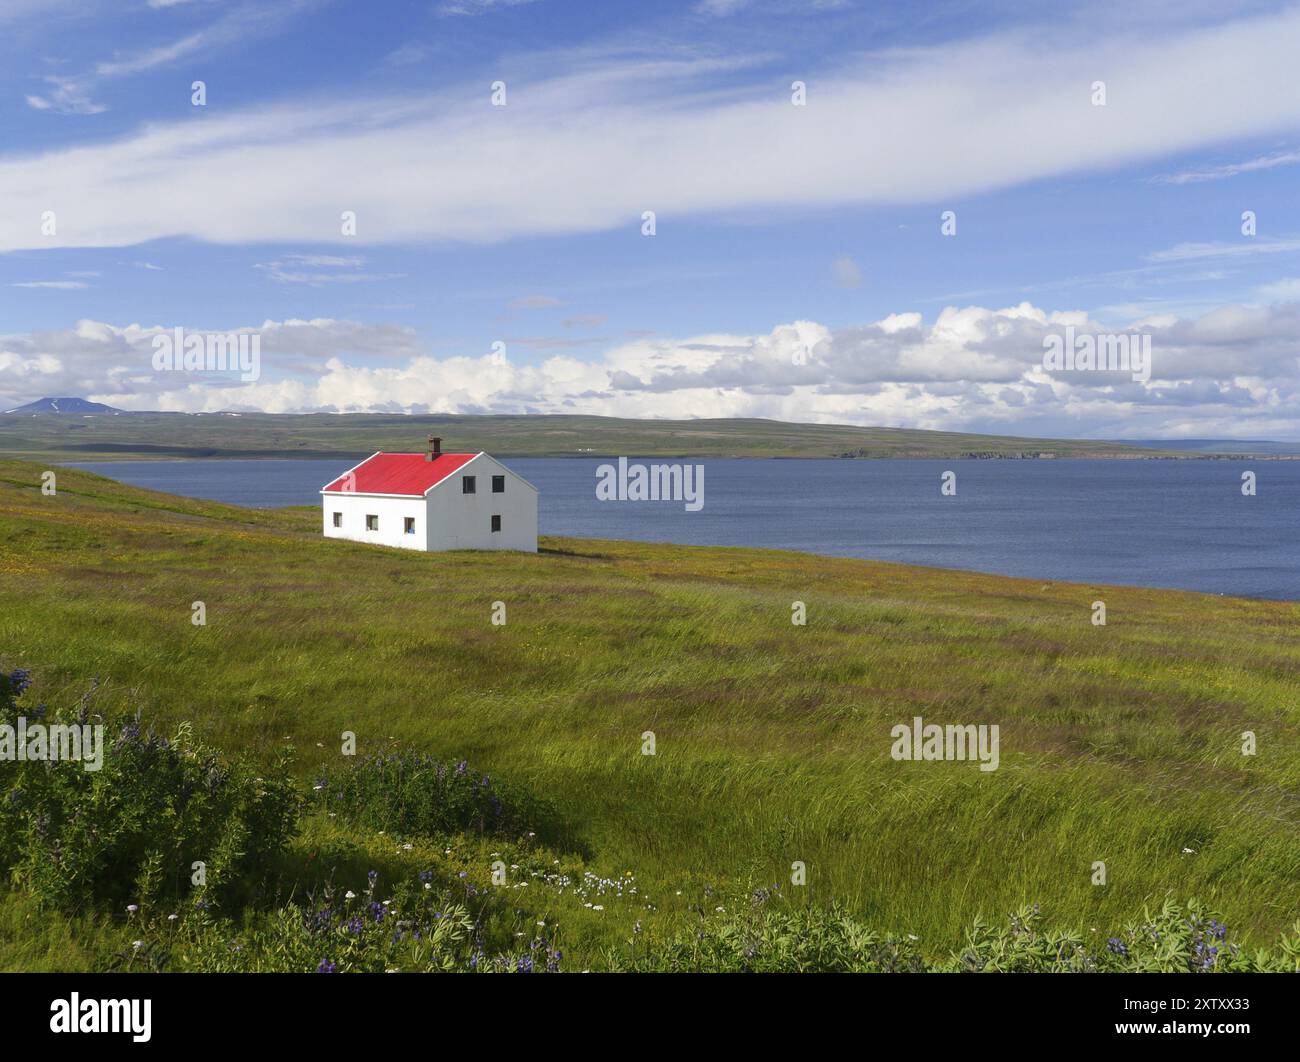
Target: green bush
1179, 938
762, 936
418, 928
415, 794
129, 834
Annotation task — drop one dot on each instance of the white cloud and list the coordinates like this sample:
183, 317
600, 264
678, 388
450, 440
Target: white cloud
1232, 371
72, 94
721, 8
1243, 248
534, 302
477, 7
847, 273
307, 269
602, 144
584, 320
138, 62
58, 285
1287, 290
69, 96
1219, 173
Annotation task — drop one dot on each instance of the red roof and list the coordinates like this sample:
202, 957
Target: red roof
409, 474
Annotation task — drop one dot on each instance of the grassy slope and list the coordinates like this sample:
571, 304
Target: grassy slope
1118, 743
328, 435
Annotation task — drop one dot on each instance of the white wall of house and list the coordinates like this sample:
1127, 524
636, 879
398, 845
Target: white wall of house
464, 521
392, 513
446, 517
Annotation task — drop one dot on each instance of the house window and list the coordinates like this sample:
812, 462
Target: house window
498, 484
496, 523
372, 523
467, 484
409, 528
338, 519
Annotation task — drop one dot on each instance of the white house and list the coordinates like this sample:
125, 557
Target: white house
432, 501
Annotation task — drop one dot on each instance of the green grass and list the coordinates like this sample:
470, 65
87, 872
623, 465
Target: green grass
1118, 743
162, 435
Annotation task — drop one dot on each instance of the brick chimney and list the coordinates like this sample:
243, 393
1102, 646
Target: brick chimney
435, 448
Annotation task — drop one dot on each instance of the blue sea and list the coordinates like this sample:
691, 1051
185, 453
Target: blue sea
1183, 524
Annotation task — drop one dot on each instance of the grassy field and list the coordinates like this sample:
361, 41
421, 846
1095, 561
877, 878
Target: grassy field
1119, 743
145, 435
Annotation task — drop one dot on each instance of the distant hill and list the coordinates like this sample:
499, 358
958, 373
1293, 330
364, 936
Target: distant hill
64, 405
354, 435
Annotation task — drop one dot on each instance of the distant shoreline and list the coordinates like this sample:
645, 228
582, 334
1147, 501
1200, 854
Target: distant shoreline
330, 436
345, 455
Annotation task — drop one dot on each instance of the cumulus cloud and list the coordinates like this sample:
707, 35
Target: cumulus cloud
1232, 371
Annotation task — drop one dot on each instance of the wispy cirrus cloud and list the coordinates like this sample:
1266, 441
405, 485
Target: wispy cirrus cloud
721, 8
1232, 169
73, 94
727, 8
65, 96
534, 302
1246, 247
477, 7
53, 285
312, 269
585, 151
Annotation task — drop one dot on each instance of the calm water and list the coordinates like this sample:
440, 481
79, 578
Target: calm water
1181, 524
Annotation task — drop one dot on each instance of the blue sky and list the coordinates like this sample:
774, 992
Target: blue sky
779, 228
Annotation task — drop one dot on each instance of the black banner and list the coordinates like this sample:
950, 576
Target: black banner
930, 1009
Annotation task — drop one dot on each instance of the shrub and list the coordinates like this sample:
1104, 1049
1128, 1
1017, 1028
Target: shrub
763, 937
1179, 938
759, 934
417, 928
416, 794
130, 832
